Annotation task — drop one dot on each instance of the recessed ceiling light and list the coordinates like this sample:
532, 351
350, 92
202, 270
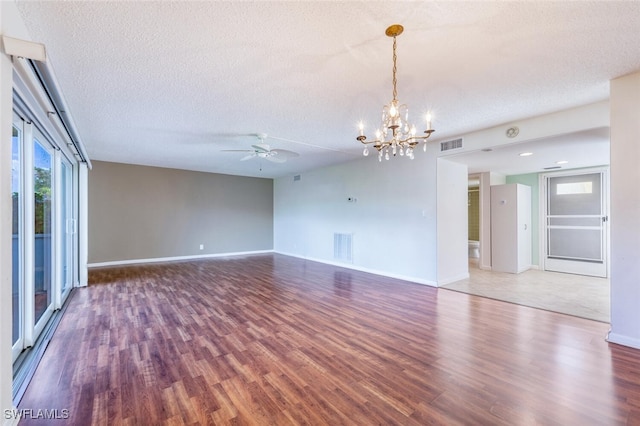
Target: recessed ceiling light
525, 154
562, 162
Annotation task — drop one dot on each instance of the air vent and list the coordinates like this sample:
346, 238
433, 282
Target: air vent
552, 168
343, 247
296, 178
452, 144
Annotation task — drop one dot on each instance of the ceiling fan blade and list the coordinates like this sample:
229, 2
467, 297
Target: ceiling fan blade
236, 150
275, 158
283, 153
248, 157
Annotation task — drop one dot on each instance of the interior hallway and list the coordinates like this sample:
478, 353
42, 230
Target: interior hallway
578, 295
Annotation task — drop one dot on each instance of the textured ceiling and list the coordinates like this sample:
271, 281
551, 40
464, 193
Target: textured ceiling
173, 84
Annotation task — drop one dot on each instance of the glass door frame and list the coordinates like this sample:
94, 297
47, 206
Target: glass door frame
65, 241
19, 345
39, 138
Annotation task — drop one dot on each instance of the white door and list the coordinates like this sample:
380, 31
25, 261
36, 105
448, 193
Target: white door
576, 223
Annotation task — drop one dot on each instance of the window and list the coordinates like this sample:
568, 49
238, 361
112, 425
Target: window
574, 188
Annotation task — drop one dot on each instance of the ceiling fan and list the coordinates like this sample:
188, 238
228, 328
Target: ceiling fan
262, 150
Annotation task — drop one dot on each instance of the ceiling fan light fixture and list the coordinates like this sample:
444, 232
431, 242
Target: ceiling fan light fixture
396, 135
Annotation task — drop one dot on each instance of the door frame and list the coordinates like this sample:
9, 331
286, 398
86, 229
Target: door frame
543, 212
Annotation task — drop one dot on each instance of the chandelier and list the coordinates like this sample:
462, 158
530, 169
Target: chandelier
395, 136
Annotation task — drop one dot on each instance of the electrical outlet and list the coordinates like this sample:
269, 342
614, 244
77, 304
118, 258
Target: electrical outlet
201, 246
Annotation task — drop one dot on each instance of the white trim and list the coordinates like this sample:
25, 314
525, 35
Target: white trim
453, 280
83, 224
623, 340
28, 229
34, 99
57, 231
363, 269
174, 258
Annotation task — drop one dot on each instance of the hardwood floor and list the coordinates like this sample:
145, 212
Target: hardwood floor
271, 339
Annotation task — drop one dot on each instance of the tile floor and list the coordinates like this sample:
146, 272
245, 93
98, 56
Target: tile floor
577, 295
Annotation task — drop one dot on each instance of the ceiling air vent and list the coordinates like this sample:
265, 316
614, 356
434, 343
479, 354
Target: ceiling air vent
452, 144
552, 168
296, 178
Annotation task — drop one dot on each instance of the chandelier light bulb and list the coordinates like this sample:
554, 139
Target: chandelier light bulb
361, 128
428, 121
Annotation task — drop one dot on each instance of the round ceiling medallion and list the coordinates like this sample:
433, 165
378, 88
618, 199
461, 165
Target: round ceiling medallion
394, 30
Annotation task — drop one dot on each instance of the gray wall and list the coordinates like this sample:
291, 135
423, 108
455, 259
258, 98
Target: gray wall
141, 212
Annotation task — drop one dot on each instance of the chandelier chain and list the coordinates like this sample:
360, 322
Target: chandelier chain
395, 69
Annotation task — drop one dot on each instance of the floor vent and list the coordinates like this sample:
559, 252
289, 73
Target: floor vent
343, 247
452, 144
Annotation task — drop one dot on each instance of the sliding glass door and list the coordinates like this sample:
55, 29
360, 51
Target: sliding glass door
44, 237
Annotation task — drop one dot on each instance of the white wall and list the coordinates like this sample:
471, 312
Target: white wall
393, 219
10, 25
452, 211
591, 116
485, 221
581, 118
625, 210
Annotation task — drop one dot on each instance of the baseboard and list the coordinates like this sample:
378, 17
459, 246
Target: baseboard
363, 269
620, 339
174, 258
453, 279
